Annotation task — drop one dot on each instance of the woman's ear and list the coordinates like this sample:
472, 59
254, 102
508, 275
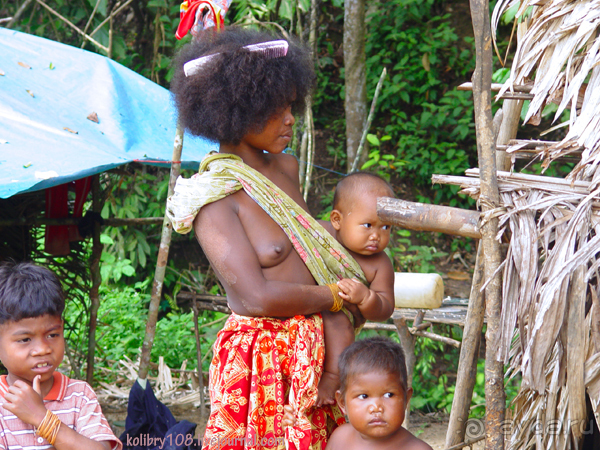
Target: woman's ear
336, 219
340, 400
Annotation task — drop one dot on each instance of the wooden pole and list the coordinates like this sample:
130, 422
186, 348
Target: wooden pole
363, 137
576, 355
111, 222
96, 280
511, 111
199, 357
426, 217
467, 363
495, 396
407, 341
161, 263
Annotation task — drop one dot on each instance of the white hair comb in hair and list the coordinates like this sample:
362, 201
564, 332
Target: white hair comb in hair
271, 49
191, 67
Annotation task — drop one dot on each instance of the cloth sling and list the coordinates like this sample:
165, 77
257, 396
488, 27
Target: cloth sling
221, 175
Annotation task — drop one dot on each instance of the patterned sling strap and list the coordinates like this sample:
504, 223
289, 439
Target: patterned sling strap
222, 174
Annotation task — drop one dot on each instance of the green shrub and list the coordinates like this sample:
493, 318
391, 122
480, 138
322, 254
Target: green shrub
122, 324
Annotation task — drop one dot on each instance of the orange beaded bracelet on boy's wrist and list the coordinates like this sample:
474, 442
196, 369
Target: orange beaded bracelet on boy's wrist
49, 426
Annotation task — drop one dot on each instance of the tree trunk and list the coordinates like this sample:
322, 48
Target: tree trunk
489, 199
356, 75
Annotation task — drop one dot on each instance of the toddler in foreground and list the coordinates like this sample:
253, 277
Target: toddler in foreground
355, 225
374, 394
39, 406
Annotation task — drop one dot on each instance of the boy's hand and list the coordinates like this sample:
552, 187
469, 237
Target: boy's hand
353, 291
25, 402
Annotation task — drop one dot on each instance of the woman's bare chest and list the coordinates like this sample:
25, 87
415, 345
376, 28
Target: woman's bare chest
270, 243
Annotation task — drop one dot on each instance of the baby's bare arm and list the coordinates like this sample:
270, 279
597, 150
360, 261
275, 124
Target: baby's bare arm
376, 302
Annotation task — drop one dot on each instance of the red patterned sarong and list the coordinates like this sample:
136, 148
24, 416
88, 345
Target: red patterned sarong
259, 365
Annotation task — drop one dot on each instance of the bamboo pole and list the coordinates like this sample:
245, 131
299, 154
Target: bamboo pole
96, 281
489, 200
426, 217
161, 263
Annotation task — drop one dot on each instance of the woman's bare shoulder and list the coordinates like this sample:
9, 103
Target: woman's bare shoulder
289, 164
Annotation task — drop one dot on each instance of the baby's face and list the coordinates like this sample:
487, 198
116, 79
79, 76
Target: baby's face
375, 403
360, 229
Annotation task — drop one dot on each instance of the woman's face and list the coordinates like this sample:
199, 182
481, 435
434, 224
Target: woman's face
276, 134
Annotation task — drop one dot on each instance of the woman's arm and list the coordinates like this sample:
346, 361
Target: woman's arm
230, 252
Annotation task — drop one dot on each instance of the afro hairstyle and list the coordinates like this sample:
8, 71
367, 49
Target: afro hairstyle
238, 91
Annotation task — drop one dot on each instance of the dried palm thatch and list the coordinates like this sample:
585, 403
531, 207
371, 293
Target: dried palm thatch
551, 275
558, 49
171, 386
551, 269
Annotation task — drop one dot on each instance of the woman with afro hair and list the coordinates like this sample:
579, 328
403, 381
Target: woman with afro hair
277, 265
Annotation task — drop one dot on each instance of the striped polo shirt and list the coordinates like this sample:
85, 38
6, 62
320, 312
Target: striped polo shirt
75, 404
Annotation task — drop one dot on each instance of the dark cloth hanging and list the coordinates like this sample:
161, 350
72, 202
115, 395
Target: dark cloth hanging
151, 425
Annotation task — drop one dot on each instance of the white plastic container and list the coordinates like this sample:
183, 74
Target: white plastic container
418, 290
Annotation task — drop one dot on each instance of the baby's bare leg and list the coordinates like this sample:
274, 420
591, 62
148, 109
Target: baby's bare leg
339, 334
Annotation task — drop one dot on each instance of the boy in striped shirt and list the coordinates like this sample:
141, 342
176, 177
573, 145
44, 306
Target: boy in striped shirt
39, 407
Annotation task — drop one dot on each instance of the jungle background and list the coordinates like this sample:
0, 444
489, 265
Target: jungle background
423, 125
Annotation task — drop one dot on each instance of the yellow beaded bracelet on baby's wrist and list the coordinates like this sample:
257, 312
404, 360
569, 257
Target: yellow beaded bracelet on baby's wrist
49, 426
338, 302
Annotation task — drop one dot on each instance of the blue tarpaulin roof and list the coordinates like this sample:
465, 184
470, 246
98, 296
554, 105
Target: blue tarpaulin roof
47, 91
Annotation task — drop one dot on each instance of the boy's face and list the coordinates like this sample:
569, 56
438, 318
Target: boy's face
358, 227
375, 403
30, 347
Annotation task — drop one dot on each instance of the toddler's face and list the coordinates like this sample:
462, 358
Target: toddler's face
375, 403
30, 347
360, 230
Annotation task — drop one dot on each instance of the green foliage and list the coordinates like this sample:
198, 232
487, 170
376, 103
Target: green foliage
423, 126
121, 327
130, 247
430, 124
408, 257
